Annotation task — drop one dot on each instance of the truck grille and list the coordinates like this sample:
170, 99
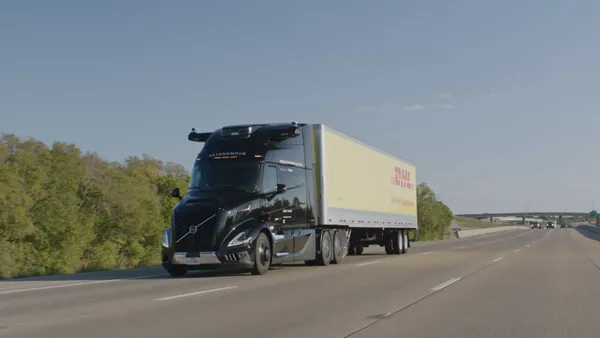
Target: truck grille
205, 237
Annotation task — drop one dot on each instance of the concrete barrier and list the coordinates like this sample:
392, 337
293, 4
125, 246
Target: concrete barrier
476, 232
590, 228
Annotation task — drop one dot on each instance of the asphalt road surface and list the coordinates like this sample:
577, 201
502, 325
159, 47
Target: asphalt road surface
523, 283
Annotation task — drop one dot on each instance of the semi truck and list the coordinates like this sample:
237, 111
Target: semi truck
266, 194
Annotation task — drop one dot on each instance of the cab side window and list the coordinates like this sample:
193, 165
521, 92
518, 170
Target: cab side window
269, 180
291, 177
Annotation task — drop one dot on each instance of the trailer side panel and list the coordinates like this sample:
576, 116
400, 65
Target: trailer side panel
363, 187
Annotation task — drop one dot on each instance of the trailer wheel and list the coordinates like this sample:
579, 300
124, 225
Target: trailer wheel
262, 255
397, 242
338, 255
405, 243
389, 247
351, 249
177, 270
388, 241
359, 249
324, 257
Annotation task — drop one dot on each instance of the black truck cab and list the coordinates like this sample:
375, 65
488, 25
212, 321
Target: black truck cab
249, 198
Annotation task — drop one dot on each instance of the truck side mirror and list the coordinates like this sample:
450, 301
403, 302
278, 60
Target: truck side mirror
281, 188
176, 193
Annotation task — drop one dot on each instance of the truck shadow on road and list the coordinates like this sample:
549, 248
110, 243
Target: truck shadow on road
150, 273
157, 272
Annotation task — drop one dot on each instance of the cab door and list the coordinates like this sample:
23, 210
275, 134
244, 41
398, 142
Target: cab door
283, 240
294, 203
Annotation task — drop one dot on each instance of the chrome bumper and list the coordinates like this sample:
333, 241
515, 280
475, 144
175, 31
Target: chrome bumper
205, 258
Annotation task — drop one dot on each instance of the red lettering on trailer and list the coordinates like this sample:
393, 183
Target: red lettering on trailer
401, 178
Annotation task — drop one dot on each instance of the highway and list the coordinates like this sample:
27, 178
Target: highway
518, 283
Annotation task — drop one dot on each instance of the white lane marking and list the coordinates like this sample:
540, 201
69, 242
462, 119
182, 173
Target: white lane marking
427, 253
197, 293
445, 284
528, 245
367, 263
460, 247
497, 259
517, 250
78, 284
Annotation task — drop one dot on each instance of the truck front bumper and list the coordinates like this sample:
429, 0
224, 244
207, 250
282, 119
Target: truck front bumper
239, 259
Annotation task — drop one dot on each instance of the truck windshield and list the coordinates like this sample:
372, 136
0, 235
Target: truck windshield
225, 175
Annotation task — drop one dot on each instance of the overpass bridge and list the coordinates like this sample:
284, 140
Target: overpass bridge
529, 214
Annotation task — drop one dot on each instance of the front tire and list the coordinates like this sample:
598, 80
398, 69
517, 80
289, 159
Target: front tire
262, 255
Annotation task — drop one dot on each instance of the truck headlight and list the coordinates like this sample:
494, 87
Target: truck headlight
166, 238
240, 239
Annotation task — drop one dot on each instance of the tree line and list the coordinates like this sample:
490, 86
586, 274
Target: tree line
65, 211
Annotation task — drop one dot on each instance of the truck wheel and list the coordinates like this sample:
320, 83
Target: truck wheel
338, 255
359, 249
325, 256
351, 249
397, 242
177, 270
389, 243
262, 255
404, 241
389, 247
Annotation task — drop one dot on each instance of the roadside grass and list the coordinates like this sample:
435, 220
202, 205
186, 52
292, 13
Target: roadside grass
466, 223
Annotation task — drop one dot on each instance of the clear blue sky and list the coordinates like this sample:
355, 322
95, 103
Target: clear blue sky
520, 123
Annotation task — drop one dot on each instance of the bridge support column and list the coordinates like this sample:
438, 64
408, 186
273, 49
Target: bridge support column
523, 219
491, 219
560, 219
597, 219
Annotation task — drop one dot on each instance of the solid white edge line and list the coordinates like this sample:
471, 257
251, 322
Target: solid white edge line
427, 253
367, 263
517, 250
497, 259
446, 284
197, 293
77, 284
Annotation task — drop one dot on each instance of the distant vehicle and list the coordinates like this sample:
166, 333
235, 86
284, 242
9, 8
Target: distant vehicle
563, 226
550, 225
536, 225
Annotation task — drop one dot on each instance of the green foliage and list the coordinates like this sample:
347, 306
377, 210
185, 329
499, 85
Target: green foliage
64, 211
434, 216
